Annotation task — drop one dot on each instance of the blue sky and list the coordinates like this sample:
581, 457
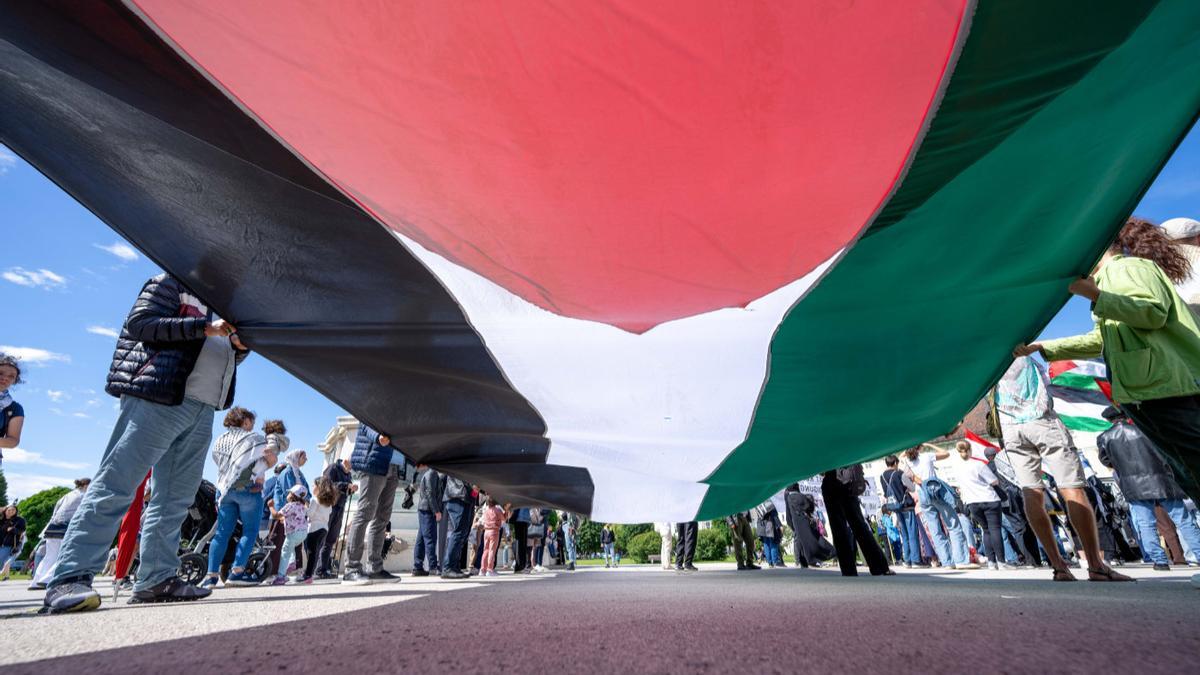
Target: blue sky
67, 281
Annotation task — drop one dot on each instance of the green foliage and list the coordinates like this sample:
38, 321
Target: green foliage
625, 533
36, 510
587, 539
3, 489
712, 544
643, 545
552, 520
721, 526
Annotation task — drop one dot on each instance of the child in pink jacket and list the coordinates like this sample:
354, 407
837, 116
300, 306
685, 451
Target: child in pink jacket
493, 519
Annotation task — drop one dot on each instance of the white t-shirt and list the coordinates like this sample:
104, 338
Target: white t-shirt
318, 515
922, 466
975, 482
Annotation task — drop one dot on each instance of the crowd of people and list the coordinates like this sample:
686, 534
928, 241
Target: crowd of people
1030, 503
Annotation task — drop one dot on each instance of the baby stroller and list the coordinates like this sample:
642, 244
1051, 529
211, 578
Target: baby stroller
198, 530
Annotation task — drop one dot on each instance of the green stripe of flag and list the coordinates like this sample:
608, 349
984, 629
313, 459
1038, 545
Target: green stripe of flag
1085, 423
1042, 144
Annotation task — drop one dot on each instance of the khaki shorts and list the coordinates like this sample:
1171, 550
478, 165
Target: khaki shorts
1042, 445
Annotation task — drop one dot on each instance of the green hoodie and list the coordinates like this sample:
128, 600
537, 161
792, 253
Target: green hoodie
1145, 332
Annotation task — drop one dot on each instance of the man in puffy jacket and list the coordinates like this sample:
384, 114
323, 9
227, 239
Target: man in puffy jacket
175, 364
1146, 481
380, 467
430, 485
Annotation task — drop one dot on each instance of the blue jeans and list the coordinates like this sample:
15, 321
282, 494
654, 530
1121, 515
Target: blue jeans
910, 537
771, 551
950, 544
237, 505
426, 544
609, 554
456, 534
290, 542
570, 539
6, 554
1143, 518
171, 439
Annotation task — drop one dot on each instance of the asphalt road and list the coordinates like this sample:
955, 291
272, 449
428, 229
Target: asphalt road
635, 620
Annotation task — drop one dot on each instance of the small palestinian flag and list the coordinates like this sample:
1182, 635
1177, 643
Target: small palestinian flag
647, 260
1081, 391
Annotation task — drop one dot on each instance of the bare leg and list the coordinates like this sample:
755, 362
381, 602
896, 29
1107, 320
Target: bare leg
1039, 522
1083, 519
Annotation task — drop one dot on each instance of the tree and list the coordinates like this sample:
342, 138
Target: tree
644, 545
36, 510
712, 544
3, 489
587, 538
624, 534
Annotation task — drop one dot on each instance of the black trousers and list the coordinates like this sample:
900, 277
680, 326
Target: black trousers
988, 517
1174, 426
312, 547
520, 534
685, 546
324, 564
848, 526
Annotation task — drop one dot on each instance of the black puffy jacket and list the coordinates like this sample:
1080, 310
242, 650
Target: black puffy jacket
1141, 471
159, 344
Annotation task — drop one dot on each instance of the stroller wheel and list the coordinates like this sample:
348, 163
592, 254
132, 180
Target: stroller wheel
192, 567
259, 566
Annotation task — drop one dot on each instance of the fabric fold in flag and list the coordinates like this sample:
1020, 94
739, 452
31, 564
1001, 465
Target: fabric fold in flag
1081, 392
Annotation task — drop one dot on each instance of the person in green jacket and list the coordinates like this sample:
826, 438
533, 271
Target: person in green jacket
1149, 339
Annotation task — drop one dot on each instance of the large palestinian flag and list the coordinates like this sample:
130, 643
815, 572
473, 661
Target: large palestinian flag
1081, 391
644, 260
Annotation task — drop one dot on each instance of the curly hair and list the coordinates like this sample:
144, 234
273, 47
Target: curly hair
325, 492
237, 416
1143, 239
274, 427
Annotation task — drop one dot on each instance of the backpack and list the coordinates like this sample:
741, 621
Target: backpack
854, 480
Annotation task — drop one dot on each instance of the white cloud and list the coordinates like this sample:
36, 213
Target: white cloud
56, 396
23, 456
102, 330
22, 485
82, 416
123, 251
42, 278
92, 403
7, 160
38, 357
57, 411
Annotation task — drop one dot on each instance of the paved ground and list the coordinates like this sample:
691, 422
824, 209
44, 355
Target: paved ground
635, 620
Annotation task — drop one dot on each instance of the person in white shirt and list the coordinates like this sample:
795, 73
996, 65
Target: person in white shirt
976, 486
935, 506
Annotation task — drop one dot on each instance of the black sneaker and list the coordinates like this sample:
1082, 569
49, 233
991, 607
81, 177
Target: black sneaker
690, 568
355, 578
171, 590
420, 573
454, 574
752, 566
571, 567
741, 567
74, 596
1162, 567
382, 577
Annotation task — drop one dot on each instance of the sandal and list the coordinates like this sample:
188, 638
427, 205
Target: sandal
1064, 575
1107, 574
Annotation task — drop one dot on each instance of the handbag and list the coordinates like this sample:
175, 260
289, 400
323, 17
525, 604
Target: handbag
536, 531
408, 497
